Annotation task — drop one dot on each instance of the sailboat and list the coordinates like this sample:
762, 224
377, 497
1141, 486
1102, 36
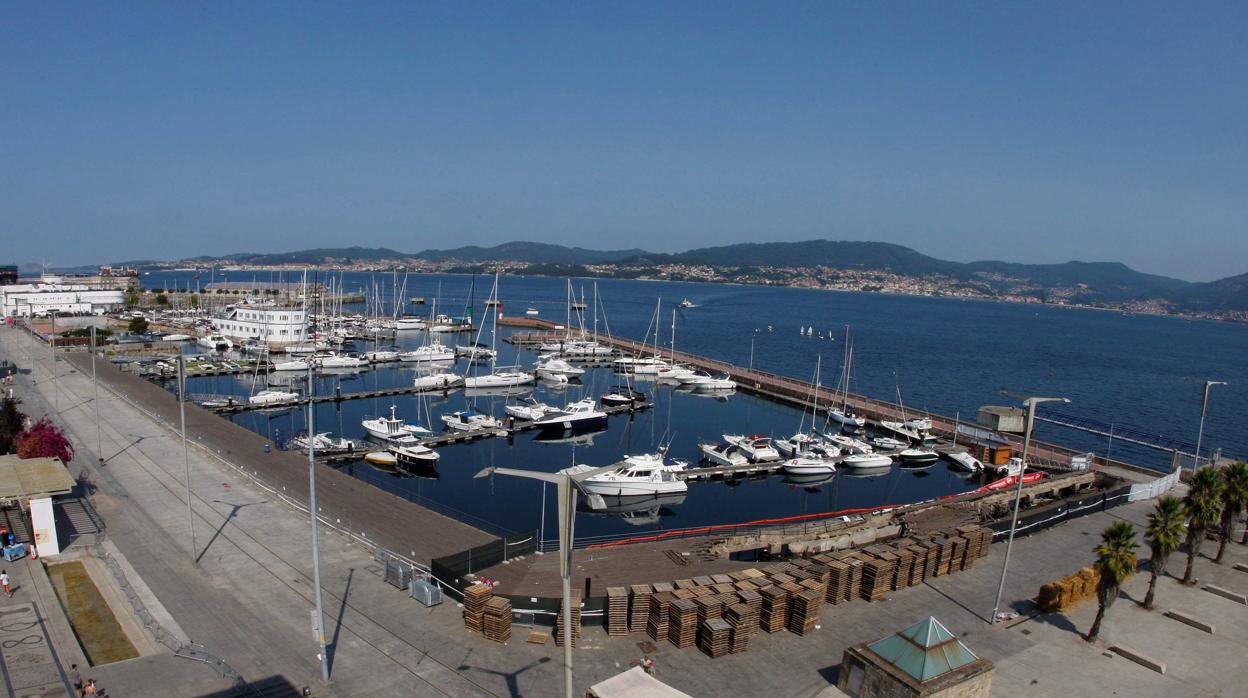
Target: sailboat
499, 377
845, 415
645, 364
801, 441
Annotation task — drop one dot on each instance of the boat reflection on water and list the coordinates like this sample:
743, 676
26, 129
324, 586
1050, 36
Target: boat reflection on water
635, 511
719, 395
500, 391
584, 438
810, 482
865, 473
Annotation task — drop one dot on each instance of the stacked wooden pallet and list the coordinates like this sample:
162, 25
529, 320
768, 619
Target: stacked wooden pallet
640, 608
877, 577
918, 569
744, 621
656, 624
617, 611
775, 610
931, 558
709, 607
979, 539
751, 598
714, 637
804, 613
498, 619
682, 623
475, 598
944, 556
560, 631
905, 565
838, 582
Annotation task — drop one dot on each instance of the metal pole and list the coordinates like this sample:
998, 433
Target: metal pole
567, 504
1204, 405
56, 386
95, 387
752, 338
186, 454
541, 524
1018, 497
316, 549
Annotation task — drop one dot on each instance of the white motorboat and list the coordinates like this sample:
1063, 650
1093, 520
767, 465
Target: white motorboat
469, 420
849, 444
177, 337
630, 480
757, 448
501, 378
215, 342
795, 444
381, 356
324, 443
292, 365
686, 303
963, 460
657, 461
407, 324
529, 409
809, 465
579, 349
918, 457
531, 312
887, 443
301, 349
921, 424
723, 453
437, 381
692, 377
414, 453
639, 364
674, 373
393, 428
582, 414
901, 429
433, 351
552, 366
334, 360
479, 352
863, 461
1011, 469
717, 382
273, 398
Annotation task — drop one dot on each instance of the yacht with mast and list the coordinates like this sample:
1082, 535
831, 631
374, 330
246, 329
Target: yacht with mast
844, 414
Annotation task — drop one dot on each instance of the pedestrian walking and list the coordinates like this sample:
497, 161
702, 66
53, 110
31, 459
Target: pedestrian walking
90, 689
4, 581
76, 678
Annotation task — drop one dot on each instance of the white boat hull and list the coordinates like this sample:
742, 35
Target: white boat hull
808, 466
635, 489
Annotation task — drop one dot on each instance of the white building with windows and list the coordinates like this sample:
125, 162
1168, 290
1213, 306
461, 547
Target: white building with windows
43, 299
274, 325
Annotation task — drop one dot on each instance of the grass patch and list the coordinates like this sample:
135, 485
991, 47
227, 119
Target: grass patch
100, 635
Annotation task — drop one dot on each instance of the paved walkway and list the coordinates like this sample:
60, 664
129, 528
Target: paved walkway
248, 598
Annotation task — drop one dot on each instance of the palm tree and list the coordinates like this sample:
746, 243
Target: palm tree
1115, 561
1203, 505
1164, 534
1234, 498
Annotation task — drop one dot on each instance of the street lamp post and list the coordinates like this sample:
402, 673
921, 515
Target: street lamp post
752, 338
186, 454
1031, 403
1204, 405
316, 548
95, 387
566, 487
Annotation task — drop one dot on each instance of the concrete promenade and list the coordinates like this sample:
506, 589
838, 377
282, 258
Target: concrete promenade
247, 598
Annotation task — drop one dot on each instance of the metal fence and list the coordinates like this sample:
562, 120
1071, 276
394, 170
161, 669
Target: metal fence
451, 570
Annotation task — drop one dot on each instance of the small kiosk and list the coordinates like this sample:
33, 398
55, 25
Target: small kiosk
32, 483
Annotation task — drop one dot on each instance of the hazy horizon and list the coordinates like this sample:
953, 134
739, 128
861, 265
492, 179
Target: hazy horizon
978, 131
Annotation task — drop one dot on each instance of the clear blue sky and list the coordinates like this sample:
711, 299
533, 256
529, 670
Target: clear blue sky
1029, 132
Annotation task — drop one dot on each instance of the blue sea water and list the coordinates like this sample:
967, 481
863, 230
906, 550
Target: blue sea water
945, 355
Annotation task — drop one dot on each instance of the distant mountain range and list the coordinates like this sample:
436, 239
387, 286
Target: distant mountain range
1107, 282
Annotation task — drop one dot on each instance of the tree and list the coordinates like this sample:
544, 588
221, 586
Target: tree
162, 299
132, 299
194, 300
11, 422
1202, 505
44, 440
138, 325
1164, 535
1234, 497
1115, 561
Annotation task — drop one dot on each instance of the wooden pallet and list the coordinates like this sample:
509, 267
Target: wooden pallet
617, 611
714, 637
682, 623
639, 610
497, 619
804, 613
656, 624
475, 598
